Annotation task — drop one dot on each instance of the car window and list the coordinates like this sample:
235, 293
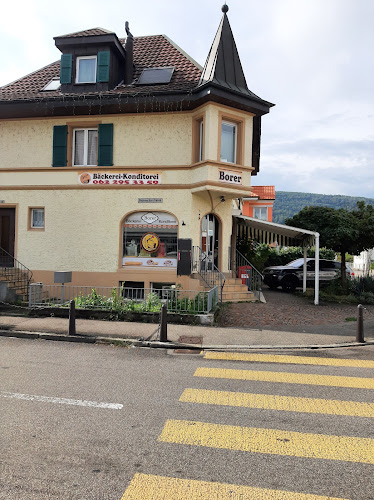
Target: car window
327, 265
295, 263
310, 265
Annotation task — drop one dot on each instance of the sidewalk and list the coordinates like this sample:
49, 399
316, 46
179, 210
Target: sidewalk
204, 336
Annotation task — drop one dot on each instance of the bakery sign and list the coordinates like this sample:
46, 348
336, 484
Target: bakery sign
119, 178
230, 176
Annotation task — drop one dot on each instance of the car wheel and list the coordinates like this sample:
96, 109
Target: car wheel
289, 283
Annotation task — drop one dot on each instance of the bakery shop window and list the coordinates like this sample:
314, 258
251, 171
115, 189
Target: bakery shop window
150, 240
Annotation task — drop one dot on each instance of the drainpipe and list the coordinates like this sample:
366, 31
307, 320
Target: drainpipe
129, 61
316, 284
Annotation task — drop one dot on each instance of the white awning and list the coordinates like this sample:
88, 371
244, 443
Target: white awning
269, 232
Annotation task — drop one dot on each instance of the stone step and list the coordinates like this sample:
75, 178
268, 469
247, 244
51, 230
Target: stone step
238, 297
233, 281
236, 287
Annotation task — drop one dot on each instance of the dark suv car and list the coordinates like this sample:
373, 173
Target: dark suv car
290, 276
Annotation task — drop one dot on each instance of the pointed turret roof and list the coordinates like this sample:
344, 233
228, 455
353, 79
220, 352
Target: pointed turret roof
223, 66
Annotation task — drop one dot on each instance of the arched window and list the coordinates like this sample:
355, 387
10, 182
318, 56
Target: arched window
150, 240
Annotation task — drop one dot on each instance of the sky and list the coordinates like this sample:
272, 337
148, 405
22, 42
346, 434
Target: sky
312, 58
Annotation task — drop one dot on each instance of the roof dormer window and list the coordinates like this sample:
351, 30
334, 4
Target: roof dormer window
86, 69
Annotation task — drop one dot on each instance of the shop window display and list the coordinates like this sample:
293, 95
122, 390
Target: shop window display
150, 240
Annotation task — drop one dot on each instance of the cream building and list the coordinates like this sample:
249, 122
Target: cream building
123, 161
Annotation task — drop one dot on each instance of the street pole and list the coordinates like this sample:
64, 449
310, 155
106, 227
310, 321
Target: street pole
72, 318
164, 324
360, 324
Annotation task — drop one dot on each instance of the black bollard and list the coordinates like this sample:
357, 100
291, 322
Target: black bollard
72, 318
164, 324
360, 324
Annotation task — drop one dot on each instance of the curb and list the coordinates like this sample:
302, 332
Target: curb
167, 345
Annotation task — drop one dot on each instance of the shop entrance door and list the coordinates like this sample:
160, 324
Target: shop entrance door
209, 242
7, 234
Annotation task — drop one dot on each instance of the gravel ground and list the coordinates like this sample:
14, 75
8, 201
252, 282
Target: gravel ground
289, 312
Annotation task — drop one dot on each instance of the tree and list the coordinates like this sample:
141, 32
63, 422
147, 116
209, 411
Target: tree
342, 230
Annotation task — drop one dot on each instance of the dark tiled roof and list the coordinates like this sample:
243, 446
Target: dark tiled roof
149, 52
90, 32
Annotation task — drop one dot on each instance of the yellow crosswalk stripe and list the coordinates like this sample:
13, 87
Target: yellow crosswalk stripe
297, 360
269, 441
286, 378
150, 487
279, 403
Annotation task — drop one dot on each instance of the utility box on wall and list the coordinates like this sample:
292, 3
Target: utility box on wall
62, 276
184, 266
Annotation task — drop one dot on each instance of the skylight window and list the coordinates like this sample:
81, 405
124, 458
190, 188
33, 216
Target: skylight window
154, 76
54, 84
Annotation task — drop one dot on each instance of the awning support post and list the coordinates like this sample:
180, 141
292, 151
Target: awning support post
316, 283
304, 268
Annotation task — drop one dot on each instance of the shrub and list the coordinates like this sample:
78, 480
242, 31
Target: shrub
359, 290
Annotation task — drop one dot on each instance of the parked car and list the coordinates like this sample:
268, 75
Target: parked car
290, 276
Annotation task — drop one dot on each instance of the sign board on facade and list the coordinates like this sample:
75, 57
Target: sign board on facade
150, 200
230, 176
119, 178
151, 218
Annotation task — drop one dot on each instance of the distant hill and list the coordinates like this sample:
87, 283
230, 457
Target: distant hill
287, 203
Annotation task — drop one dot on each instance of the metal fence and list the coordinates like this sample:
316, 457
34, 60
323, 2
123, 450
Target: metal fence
122, 299
244, 269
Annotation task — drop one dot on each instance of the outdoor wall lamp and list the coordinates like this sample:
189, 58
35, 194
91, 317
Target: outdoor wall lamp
183, 223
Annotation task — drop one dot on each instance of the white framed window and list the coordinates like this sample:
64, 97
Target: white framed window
37, 218
86, 69
229, 135
85, 147
260, 213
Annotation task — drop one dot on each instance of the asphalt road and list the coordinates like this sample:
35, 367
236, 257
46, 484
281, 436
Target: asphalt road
83, 421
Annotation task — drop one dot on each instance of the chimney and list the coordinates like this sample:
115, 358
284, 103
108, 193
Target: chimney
129, 61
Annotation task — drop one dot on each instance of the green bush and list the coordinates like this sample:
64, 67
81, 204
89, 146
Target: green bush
359, 290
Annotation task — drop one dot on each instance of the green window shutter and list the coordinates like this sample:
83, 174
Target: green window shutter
65, 68
105, 158
103, 59
60, 140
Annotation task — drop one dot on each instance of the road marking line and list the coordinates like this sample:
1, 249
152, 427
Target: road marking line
279, 403
297, 360
286, 378
62, 401
269, 441
150, 487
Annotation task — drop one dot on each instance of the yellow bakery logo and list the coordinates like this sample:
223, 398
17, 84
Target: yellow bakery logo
85, 178
150, 242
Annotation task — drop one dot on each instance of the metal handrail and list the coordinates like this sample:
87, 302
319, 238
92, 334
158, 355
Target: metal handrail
253, 278
14, 272
213, 277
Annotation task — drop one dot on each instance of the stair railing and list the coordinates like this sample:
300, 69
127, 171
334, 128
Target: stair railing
13, 271
245, 270
205, 267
